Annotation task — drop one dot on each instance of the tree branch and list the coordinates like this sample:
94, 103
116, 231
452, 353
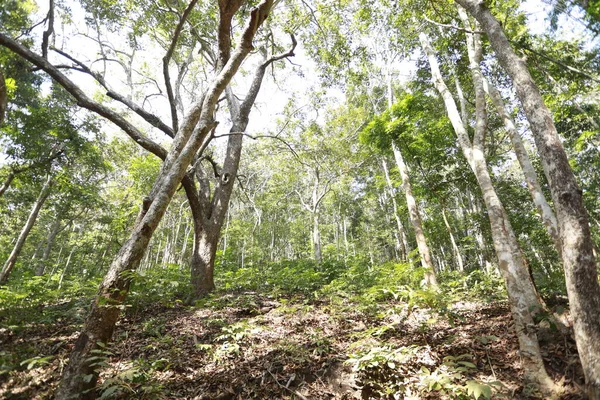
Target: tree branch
48, 32
555, 61
167, 59
147, 116
82, 99
457, 28
258, 77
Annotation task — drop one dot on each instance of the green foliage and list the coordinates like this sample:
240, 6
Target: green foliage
302, 276
411, 371
37, 361
416, 123
27, 300
476, 285
134, 382
375, 283
166, 285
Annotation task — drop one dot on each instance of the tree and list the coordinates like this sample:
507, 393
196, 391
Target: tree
12, 259
195, 127
577, 249
209, 214
387, 132
521, 292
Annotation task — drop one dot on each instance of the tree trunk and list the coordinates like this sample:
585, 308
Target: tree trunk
210, 214
535, 189
521, 292
12, 258
64, 271
37, 251
401, 236
80, 375
203, 261
457, 255
577, 249
3, 98
316, 238
208, 218
7, 181
54, 230
415, 219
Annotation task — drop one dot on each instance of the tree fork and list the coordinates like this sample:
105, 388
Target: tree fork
80, 376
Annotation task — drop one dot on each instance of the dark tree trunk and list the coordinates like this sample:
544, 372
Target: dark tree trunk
7, 181
202, 264
209, 214
3, 97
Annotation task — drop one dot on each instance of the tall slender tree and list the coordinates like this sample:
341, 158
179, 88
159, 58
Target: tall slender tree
521, 292
577, 249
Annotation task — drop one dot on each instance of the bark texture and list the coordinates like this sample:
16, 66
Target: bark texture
208, 213
521, 292
7, 181
573, 222
54, 230
3, 97
455, 249
14, 254
401, 236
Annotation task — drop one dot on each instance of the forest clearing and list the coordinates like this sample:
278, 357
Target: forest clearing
312, 199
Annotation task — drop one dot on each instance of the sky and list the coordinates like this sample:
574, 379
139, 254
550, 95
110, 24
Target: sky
274, 94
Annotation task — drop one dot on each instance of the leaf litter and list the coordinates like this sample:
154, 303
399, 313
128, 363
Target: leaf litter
248, 345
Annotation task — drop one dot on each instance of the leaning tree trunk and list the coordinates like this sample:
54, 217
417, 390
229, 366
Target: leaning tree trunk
577, 250
7, 181
80, 375
37, 206
521, 292
415, 219
457, 255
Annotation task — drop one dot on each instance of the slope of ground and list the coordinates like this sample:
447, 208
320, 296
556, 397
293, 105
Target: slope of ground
246, 345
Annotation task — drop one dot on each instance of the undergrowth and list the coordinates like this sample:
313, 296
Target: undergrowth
376, 292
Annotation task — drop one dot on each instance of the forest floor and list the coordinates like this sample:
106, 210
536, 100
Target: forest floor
248, 345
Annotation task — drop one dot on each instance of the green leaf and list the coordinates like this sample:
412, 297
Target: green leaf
109, 392
467, 364
477, 390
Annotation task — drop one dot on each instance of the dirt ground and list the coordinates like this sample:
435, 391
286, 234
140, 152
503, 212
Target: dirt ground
252, 346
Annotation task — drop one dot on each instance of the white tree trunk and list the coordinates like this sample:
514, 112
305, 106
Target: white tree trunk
522, 295
415, 219
577, 249
457, 255
535, 189
316, 238
401, 234
54, 230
